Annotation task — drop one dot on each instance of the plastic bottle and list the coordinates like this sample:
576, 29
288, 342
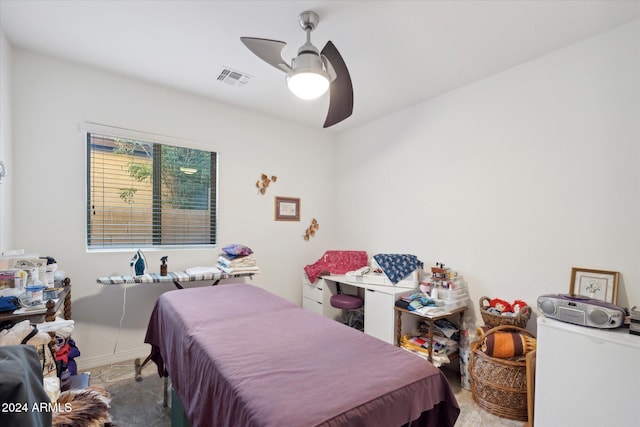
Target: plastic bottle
464, 336
465, 354
20, 281
35, 278
35, 287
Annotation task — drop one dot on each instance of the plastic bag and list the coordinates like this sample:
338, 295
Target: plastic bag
8, 304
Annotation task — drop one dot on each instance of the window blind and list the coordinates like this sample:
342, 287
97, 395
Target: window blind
146, 194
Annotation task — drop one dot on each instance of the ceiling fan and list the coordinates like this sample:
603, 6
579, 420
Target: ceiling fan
312, 72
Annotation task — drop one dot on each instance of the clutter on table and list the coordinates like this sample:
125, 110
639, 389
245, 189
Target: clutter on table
397, 270
445, 285
36, 282
418, 302
442, 347
28, 282
441, 292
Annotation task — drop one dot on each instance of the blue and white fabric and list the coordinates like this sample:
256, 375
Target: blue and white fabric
397, 266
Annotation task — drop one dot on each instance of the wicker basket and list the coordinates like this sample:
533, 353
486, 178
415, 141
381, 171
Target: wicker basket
499, 385
492, 320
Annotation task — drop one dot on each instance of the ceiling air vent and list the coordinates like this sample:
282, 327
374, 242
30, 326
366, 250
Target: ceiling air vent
233, 77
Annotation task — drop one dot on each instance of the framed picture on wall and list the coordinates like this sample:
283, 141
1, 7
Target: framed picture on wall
597, 284
287, 209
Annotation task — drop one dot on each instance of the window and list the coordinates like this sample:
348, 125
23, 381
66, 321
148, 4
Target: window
145, 194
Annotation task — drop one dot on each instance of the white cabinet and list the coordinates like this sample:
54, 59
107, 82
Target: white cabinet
312, 295
379, 315
585, 376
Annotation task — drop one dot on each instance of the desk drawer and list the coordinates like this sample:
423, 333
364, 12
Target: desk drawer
306, 281
311, 305
313, 292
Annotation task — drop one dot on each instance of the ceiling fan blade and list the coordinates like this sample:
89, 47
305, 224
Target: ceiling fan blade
341, 89
270, 51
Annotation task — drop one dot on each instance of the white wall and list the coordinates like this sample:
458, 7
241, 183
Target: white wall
6, 144
512, 180
52, 98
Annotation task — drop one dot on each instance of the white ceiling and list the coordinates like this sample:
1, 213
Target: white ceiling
399, 53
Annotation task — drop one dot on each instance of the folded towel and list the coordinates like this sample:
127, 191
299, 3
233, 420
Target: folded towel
240, 270
232, 262
193, 271
59, 326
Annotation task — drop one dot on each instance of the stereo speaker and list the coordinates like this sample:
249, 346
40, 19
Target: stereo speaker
581, 310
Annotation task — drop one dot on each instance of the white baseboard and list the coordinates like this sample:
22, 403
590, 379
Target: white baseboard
85, 363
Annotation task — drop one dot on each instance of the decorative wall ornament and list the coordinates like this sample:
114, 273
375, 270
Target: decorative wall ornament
311, 230
264, 182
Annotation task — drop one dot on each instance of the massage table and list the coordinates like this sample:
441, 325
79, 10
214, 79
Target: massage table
238, 355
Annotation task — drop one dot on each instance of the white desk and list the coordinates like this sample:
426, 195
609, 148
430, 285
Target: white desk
379, 302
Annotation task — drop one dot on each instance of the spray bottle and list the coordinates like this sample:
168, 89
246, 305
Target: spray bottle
163, 266
35, 287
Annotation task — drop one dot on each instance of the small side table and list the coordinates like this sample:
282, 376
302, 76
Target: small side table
431, 319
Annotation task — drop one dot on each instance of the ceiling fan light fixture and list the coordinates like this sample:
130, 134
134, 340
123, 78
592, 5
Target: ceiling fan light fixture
312, 72
308, 79
308, 84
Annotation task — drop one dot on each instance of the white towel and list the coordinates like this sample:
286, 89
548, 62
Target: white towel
240, 270
202, 270
247, 261
59, 325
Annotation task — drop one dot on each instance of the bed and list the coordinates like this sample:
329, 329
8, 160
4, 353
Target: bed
238, 355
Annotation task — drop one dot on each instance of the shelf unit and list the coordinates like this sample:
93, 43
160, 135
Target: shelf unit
430, 319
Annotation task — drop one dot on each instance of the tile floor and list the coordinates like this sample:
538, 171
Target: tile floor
136, 404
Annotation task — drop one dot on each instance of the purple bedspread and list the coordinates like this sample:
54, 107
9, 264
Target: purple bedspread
241, 356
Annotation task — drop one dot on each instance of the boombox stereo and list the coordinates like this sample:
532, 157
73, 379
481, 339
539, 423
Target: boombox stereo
581, 310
